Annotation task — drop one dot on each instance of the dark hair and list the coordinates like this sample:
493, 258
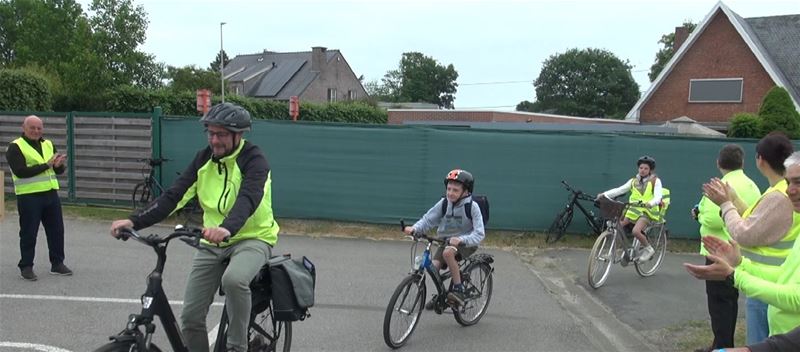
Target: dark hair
731, 157
774, 148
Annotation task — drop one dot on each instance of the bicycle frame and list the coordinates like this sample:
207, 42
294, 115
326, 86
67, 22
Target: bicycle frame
630, 250
425, 265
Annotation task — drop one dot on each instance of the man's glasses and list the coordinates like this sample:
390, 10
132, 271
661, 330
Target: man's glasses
219, 135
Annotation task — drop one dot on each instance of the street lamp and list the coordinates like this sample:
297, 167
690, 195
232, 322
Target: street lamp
221, 62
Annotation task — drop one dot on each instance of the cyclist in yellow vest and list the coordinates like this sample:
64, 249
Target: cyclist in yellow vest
645, 187
767, 229
232, 181
34, 165
778, 286
722, 297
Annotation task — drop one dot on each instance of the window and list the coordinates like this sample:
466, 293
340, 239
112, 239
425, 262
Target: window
331, 95
351, 95
715, 90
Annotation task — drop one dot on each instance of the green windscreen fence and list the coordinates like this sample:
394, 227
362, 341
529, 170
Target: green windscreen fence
381, 174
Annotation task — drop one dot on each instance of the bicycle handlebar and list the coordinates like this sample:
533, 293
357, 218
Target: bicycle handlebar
153, 162
189, 235
417, 236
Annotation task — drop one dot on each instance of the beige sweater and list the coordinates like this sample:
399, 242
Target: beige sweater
767, 224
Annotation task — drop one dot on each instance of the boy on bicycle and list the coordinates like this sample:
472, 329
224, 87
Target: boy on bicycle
461, 232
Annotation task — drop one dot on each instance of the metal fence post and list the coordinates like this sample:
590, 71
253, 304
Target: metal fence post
71, 156
155, 141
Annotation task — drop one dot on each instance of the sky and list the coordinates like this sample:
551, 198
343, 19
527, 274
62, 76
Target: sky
497, 47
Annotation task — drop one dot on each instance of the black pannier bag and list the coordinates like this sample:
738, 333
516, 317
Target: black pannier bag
293, 283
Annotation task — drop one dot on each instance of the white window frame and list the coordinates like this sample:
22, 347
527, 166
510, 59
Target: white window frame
351, 95
331, 95
741, 90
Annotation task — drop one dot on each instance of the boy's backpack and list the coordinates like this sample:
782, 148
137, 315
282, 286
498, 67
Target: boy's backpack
293, 282
483, 204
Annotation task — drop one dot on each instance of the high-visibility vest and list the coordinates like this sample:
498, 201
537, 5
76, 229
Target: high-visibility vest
774, 254
43, 181
711, 223
634, 213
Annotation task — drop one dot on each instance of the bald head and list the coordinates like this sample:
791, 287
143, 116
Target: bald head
32, 127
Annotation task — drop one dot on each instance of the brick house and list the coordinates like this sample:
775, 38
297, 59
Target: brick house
725, 66
319, 76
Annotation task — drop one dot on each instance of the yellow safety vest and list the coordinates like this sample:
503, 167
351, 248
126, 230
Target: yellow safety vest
634, 213
43, 181
776, 253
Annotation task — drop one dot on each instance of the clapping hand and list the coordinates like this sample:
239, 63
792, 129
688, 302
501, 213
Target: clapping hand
717, 191
729, 252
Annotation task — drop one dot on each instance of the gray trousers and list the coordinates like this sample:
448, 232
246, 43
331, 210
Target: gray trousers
208, 271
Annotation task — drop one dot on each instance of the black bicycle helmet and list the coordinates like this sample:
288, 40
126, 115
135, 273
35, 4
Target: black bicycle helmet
647, 160
232, 117
461, 176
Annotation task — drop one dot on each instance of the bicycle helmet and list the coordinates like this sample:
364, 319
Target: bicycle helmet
461, 176
647, 160
232, 117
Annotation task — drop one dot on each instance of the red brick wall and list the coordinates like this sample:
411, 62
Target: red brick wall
398, 116
720, 52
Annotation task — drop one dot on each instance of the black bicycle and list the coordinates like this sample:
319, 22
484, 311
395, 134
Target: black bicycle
406, 305
149, 188
264, 333
564, 217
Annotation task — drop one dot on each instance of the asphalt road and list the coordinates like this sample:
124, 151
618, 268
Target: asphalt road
528, 311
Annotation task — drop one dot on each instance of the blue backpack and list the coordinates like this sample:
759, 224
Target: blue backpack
483, 204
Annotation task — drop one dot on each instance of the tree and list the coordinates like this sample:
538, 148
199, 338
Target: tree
214, 65
745, 125
778, 113
191, 78
663, 55
24, 90
588, 82
119, 29
419, 78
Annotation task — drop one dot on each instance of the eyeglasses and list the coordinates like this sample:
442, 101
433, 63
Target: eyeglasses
219, 135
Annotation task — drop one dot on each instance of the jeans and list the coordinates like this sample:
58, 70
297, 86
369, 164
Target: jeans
757, 325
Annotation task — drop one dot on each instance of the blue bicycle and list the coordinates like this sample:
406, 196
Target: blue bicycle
406, 305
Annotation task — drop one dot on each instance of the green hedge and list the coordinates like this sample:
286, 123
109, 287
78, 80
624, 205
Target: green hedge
23, 90
777, 113
745, 125
130, 99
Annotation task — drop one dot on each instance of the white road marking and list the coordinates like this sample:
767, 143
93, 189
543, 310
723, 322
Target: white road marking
44, 348
32, 346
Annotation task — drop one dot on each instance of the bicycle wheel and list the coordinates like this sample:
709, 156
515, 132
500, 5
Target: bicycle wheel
142, 195
263, 335
657, 236
477, 280
404, 310
600, 259
125, 346
559, 226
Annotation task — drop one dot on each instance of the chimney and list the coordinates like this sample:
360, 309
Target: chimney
681, 33
318, 58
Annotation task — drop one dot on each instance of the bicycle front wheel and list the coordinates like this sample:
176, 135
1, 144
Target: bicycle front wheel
600, 259
477, 280
657, 236
559, 226
404, 310
264, 333
125, 346
142, 195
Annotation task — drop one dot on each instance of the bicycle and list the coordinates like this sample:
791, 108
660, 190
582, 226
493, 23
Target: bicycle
564, 217
264, 333
149, 188
613, 245
407, 302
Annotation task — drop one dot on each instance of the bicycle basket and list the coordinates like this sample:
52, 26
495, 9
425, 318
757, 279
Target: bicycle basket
610, 209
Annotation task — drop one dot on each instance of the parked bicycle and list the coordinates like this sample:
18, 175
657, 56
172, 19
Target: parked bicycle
149, 188
564, 217
264, 333
616, 245
406, 304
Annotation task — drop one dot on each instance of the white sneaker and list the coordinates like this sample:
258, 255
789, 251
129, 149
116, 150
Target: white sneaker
647, 253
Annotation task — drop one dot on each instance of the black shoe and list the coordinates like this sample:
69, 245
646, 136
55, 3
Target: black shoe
28, 274
432, 302
456, 298
60, 269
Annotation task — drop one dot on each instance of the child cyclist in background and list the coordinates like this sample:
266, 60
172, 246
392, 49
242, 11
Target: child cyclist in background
461, 232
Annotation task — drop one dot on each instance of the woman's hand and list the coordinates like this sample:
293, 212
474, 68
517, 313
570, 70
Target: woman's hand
717, 191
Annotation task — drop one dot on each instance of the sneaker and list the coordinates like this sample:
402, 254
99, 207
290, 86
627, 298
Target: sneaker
647, 253
456, 298
28, 274
60, 269
430, 303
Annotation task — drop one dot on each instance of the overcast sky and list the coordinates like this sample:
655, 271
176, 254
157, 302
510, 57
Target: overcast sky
497, 47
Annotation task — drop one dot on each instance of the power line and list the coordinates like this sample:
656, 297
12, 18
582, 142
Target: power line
489, 83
